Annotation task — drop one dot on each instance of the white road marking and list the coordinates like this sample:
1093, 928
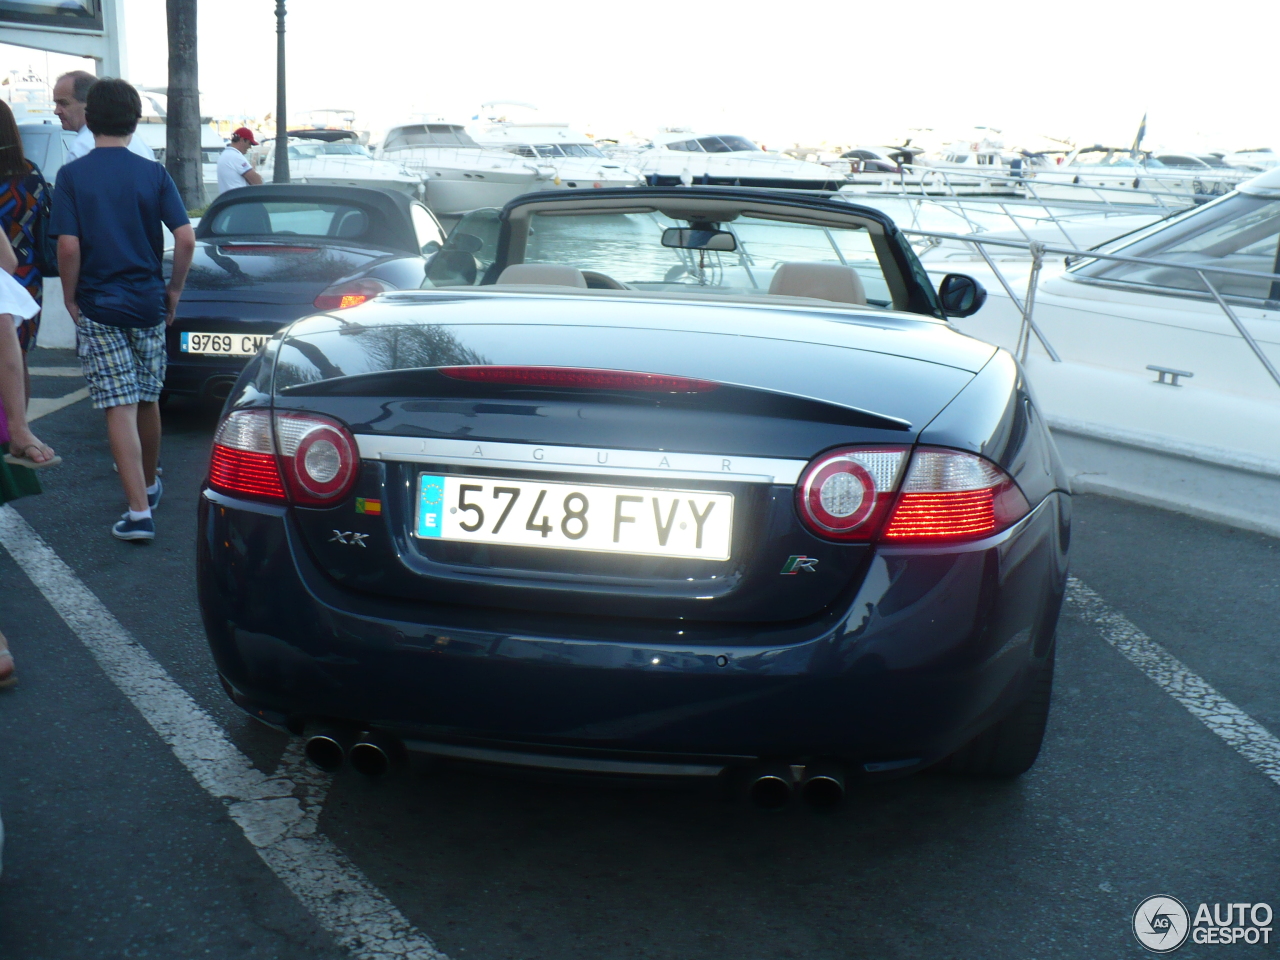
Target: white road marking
55, 371
42, 406
1246, 736
277, 813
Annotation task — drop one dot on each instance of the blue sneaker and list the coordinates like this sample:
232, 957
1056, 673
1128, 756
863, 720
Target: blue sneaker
153, 499
126, 529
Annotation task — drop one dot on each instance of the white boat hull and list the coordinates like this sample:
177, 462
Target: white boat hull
1106, 337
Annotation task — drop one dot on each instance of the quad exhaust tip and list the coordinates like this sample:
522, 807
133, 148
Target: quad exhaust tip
771, 785
373, 753
369, 752
821, 785
327, 748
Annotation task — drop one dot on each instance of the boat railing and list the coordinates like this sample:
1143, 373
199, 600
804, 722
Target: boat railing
1025, 181
1038, 250
1037, 212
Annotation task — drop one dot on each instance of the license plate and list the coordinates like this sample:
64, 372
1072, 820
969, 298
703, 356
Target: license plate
576, 516
223, 344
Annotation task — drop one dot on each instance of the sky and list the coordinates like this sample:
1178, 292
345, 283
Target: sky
781, 73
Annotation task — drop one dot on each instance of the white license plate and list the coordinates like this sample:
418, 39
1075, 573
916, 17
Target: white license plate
576, 516
223, 344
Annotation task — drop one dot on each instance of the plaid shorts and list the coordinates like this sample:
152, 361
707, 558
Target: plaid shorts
122, 364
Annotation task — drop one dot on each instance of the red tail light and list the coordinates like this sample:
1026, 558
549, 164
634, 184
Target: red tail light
316, 463
579, 378
244, 457
351, 293
318, 457
844, 494
949, 495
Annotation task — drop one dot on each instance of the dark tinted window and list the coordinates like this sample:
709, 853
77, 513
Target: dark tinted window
735, 143
685, 146
305, 219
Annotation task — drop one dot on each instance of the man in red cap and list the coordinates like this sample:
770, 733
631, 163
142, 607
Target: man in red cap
233, 169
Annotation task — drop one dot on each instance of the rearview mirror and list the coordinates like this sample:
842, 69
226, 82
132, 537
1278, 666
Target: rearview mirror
962, 296
687, 238
430, 247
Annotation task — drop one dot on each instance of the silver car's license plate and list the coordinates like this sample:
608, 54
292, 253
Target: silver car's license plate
576, 516
223, 344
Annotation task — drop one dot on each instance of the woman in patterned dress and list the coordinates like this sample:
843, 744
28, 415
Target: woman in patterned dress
22, 191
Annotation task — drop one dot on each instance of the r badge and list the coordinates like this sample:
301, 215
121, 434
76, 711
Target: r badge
795, 564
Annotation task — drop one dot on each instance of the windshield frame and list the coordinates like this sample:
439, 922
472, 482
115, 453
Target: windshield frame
909, 284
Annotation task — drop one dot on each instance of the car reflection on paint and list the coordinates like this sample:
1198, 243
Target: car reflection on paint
719, 493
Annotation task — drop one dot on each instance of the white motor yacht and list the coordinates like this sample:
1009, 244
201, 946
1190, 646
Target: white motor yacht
678, 156
335, 158
565, 158
459, 174
1115, 173
1258, 158
1142, 356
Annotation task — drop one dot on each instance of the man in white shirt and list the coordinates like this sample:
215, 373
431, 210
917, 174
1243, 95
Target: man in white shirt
233, 169
69, 95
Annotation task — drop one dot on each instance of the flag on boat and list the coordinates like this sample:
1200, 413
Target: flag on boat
1137, 141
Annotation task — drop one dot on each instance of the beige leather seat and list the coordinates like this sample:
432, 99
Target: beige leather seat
554, 274
824, 281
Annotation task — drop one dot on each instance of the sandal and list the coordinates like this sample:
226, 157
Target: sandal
7, 677
21, 459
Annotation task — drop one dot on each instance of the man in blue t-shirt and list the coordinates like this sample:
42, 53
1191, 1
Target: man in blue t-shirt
107, 210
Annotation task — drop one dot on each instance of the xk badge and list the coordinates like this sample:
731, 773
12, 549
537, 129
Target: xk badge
795, 564
349, 538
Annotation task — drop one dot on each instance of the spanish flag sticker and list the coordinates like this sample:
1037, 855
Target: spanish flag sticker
372, 508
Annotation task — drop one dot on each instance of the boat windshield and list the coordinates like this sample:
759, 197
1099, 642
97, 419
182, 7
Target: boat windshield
429, 135
1240, 232
318, 148
727, 144
580, 150
627, 247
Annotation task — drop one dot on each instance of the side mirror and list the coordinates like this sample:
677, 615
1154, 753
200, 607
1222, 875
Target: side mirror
687, 238
962, 296
466, 242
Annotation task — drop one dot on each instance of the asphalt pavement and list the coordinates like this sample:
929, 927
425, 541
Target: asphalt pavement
113, 848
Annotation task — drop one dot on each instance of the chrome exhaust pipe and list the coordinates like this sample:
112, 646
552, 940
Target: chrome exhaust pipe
327, 748
770, 786
374, 753
823, 786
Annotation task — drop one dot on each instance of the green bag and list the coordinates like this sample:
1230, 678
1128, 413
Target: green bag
16, 481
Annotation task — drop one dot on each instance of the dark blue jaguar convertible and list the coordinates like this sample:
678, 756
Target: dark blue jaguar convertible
664, 482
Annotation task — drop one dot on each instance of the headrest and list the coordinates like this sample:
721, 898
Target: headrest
555, 274
824, 281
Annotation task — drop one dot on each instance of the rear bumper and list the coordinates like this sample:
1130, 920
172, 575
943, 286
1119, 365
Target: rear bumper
936, 644
199, 376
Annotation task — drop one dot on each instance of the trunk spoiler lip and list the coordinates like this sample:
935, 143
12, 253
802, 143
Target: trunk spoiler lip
554, 458
327, 387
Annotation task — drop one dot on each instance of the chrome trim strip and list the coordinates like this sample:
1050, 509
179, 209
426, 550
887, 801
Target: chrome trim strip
547, 761
602, 461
